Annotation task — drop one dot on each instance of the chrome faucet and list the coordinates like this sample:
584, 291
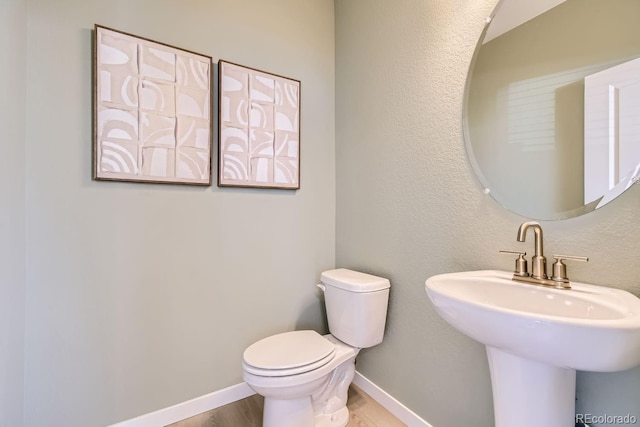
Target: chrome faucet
538, 262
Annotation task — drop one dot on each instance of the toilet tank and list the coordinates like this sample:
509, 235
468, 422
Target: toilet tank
356, 305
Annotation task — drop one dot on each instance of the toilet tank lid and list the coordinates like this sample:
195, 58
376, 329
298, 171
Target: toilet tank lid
354, 281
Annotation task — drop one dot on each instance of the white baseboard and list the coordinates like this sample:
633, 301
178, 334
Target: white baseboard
190, 408
404, 414
219, 398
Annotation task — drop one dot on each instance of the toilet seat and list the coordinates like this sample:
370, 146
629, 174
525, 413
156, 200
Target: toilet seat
288, 353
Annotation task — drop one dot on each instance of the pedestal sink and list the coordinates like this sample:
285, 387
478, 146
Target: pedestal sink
537, 337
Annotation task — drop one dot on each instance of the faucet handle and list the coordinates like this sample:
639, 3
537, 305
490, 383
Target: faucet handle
521, 263
560, 269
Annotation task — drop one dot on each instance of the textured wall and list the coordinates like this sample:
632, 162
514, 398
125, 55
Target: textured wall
409, 206
140, 296
13, 31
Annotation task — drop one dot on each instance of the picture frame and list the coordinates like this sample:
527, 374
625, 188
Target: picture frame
152, 111
258, 128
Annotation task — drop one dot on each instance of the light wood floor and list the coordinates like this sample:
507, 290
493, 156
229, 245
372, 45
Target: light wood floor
363, 412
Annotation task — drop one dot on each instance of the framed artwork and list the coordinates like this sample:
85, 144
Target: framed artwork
152, 111
259, 128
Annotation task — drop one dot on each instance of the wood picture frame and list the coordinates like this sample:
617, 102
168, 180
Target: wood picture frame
259, 128
152, 111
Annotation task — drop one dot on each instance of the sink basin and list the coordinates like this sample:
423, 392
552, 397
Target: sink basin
588, 328
537, 337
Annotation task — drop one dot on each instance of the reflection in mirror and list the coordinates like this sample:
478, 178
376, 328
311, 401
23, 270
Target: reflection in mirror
552, 112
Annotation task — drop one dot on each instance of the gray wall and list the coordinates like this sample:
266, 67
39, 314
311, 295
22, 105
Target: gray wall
141, 296
409, 206
12, 209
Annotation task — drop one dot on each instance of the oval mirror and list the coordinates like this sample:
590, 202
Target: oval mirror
552, 105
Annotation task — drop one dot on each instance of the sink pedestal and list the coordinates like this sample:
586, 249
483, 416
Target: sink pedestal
531, 394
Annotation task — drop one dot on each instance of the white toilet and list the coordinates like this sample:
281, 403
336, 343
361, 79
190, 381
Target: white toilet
304, 376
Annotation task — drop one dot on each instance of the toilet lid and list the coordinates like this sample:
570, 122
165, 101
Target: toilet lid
289, 353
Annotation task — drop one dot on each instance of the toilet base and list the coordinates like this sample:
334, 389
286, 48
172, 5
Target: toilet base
299, 413
288, 413
330, 403
325, 408
339, 418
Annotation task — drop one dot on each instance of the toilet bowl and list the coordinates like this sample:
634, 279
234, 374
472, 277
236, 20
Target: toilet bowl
311, 394
304, 376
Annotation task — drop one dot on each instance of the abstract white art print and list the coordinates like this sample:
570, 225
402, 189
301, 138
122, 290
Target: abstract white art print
259, 128
152, 112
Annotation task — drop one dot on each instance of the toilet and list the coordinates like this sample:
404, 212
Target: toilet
304, 376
